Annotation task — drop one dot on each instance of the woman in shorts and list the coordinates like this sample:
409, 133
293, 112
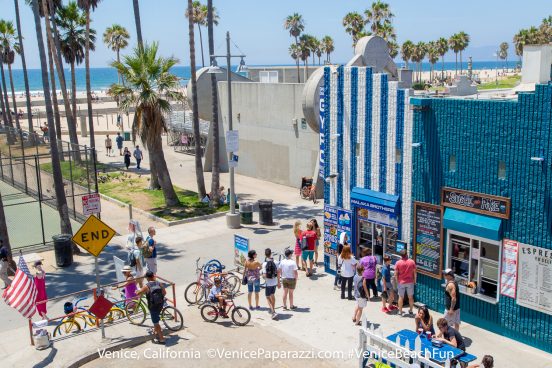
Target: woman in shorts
297, 232
253, 273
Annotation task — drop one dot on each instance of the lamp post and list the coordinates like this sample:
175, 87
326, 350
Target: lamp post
232, 218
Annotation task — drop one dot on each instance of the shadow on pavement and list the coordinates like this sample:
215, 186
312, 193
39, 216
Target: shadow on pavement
49, 359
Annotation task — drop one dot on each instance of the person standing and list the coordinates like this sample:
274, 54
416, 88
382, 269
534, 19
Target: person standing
452, 300
405, 271
287, 277
40, 283
343, 240
318, 237
155, 295
360, 294
4, 264
369, 263
307, 255
119, 141
45, 134
270, 273
108, 145
138, 156
298, 233
252, 272
387, 293
136, 260
150, 252
348, 269
126, 158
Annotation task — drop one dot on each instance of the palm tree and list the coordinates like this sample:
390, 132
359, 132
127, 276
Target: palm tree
546, 29
149, 88
25, 76
9, 46
62, 208
354, 26
418, 55
295, 25
464, 42
195, 112
319, 50
137, 21
433, 57
328, 46
531, 36
116, 38
305, 52
503, 52
442, 48
9, 120
393, 49
294, 52
455, 44
198, 17
87, 6
378, 14
72, 24
407, 50
215, 171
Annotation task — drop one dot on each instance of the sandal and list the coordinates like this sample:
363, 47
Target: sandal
293, 307
285, 307
159, 342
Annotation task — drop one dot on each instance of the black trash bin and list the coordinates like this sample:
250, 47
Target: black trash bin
246, 213
63, 249
265, 211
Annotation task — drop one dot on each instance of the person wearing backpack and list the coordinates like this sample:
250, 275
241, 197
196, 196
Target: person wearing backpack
155, 295
150, 251
269, 271
360, 294
136, 260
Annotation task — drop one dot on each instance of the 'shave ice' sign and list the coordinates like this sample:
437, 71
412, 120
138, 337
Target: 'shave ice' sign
476, 202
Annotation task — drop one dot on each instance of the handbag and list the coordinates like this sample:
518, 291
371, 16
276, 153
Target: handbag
304, 244
244, 280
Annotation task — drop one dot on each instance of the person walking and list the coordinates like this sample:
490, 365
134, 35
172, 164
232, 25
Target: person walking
155, 295
40, 283
138, 156
108, 145
452, 300
4, 265
298, 233
119, 141
348, 269
387, 293
360, 294
343, 240
369, 263
126, 158
150, 251
318, 237
405, 271
252, 272
287, 277
270, 273
307, 255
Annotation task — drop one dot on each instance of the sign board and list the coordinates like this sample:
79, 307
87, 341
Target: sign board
232, 141
534, 279
321, 125
93, 235
233, 162
508, 269
476, 202
331, 235
428, 247
91, 204
119, 264
241, 247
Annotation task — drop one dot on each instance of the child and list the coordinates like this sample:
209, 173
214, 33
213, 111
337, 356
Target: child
216, 296
360, 294
388, 294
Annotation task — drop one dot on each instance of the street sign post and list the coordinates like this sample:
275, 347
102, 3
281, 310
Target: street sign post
91, 204
93, 236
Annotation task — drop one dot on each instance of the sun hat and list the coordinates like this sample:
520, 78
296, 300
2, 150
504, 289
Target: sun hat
126, 269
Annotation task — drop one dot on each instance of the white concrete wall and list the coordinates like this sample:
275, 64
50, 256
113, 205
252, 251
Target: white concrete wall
271, 146
537, 60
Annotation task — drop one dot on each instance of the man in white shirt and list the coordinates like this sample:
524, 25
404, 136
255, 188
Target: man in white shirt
270, 273
287, 276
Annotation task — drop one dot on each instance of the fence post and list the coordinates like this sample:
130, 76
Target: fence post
11, 164
40, 198
130, 211
87, 168
72, 183
31, 331
1, 165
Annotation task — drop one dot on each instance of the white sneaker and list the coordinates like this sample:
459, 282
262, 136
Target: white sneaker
274, 315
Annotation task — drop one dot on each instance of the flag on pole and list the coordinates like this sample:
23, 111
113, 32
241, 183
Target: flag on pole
21, 294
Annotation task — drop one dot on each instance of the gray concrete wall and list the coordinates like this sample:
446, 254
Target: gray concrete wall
286, 74
271, 146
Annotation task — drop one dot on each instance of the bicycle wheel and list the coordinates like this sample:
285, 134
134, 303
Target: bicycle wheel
191, 291
209, 313
85, 319
240, 316
66, 327
172, 318
200, 296
135, 312
114, 314
233, 283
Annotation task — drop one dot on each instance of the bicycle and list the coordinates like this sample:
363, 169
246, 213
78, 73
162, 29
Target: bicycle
240, 316
198, 290
137, 311
114, 313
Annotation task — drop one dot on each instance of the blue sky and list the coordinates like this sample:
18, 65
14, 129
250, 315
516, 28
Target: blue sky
256, 25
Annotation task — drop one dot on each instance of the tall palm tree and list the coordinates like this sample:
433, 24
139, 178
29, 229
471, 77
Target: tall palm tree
294, 52
72, 24
503, 52
328, 46
9, 120
9, 46
87, 6
148, 89
319, 50
195, 112
378, 14
546, 29
62, 208
455, 44
464, 42
407, 50
442, 48
3, 108
433, 57
530, 36
24, 65
215, 171
354, 26
295, 25
116, 38
137, 21
393, 49
198, 17
419, 53
305, 52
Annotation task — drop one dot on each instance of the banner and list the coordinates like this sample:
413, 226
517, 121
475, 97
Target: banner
331, 235
508, 273
428, 250
241, 247
321, 121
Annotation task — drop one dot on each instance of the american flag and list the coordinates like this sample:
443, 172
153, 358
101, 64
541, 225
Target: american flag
21, 294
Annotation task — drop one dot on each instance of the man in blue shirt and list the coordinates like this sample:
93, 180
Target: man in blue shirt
216, 296
388, 293
119, 140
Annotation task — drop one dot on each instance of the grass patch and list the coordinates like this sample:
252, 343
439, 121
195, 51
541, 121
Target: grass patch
79, 172
507, 82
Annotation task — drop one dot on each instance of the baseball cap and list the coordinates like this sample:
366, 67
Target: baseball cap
449, 272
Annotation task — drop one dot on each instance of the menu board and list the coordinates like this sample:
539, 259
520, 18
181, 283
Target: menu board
428, 250
508, 273
534, 287
331, 236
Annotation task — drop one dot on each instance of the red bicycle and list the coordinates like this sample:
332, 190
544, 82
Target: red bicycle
239, 315
198, 290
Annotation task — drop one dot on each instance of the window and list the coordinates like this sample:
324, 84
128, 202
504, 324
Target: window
452, 163
398, 156
502, 170
357, 149
268, 76
475, 263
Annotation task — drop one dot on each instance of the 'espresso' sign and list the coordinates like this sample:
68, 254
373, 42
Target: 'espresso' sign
476, 202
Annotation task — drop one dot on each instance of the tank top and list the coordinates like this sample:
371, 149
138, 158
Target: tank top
130, 290
448, 298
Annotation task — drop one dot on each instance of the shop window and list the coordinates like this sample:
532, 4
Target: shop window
475, 264
502, 170
398, 156
452, 163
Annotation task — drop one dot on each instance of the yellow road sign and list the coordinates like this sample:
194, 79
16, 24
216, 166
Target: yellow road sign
93, 235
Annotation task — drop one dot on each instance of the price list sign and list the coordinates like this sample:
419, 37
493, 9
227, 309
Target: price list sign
428, 249
534, 287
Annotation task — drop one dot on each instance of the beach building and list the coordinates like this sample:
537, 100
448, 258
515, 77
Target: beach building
461, 183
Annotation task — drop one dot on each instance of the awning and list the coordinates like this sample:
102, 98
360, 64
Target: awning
473, 223
375, 200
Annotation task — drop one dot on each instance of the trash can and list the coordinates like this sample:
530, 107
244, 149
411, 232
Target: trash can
63, 249
127, 136
246, 213
265, 211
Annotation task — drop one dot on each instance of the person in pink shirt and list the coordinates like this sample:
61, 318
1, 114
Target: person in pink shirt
405, 271
369, 263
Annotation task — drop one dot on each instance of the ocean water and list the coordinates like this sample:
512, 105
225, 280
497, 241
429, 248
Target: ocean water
102, 78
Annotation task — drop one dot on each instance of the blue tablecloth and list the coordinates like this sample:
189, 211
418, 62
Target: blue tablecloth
437, 354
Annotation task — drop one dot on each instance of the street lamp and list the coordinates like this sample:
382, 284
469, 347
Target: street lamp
232, 218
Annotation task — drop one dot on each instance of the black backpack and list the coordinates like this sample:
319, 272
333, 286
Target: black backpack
271, 270
131, 259
360, 288
155, 296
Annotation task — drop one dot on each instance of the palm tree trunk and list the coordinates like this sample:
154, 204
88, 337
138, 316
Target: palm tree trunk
9, 136
215, 171
25, 76
201, 46
198, 163
461, 66
65, 223
443, 67
456, 64
74, 91
136, 7
157, 158
297, 62
5, 96
87, 67
57, 116
306, 69
13, 98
